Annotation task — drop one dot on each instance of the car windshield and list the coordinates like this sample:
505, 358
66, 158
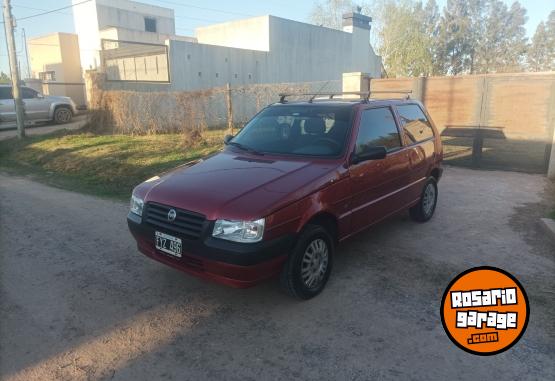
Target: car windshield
312, 130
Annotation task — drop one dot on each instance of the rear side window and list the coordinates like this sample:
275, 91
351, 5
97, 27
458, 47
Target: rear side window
415, 124
377, 128
6, 93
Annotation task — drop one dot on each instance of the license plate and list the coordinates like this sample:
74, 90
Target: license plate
168, 244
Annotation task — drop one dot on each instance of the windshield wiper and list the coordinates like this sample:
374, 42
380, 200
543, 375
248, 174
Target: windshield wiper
245, 148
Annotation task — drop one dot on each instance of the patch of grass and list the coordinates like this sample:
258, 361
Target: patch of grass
103, 165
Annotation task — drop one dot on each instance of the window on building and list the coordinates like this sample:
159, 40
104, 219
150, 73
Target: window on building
47, 76
377, 128
415, 124
150, 24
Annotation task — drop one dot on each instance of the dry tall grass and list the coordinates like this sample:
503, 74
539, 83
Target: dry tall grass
190, 113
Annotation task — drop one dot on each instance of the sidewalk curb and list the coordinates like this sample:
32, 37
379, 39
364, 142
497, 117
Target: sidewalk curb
548, 226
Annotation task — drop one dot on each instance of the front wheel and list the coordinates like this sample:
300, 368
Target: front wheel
62, 115
308, 268
425, 208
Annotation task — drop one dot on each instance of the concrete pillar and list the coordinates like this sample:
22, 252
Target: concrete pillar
551, 165
356, 81
419, 88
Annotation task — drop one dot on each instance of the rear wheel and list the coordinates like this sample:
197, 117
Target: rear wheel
425, 208
308, 268
62, 114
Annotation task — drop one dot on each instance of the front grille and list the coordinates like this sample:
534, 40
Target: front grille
187, 224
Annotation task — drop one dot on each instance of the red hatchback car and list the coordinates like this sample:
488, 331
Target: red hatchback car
298, 179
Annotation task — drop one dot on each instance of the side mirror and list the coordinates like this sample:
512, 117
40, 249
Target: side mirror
227, 139
40, 96
371, 153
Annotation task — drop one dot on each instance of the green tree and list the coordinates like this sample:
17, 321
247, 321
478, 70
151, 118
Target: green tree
538, 52
515, 42
503, 42
431, 29
481, 36
4, 78
330, 12
541, 54
460, 26
406, 35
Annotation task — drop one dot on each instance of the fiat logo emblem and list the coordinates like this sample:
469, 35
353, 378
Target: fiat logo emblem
171, 215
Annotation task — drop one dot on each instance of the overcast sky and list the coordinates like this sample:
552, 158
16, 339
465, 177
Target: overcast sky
193, 13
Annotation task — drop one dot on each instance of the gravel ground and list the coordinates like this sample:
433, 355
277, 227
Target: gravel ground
79, 302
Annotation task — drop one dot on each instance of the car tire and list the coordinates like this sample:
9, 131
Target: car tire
62, 115
426, 206
308, 268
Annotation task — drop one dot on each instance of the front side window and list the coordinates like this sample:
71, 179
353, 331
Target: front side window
415, 124
377, 129
27, 93
150, 24
311, 130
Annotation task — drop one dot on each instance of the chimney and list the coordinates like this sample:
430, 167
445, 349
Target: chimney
355, 20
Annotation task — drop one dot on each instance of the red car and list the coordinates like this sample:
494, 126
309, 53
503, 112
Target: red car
298, 179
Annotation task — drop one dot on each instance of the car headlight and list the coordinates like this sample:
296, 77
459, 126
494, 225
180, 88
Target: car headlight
136, 205
239, 231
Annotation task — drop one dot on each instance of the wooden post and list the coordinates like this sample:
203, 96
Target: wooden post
229, 108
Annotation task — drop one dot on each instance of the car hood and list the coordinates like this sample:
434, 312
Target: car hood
236, 186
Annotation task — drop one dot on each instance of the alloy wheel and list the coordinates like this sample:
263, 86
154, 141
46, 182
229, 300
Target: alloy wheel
315, 263
429, 199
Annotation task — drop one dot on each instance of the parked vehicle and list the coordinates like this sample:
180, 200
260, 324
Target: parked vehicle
298, 179
38, 107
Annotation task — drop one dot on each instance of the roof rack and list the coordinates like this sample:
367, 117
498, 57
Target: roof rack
365, 95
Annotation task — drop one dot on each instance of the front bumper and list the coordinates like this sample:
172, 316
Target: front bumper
234, 264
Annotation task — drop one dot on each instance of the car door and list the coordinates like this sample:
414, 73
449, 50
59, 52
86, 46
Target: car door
7, 105
378, 186
419, 138
36, 106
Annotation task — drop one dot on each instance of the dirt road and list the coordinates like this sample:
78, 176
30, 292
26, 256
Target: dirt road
78, 122
79, 302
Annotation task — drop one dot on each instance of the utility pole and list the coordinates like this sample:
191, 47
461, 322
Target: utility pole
26, 52
9, 27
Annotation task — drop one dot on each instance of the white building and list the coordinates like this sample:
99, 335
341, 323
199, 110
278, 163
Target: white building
265, 49
122, 19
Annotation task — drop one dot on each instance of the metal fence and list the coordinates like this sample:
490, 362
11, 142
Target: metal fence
133, 61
